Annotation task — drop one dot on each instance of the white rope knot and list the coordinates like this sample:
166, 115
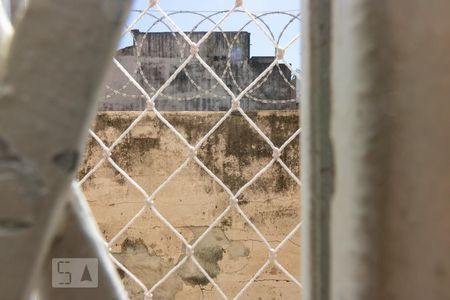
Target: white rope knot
150, 201
276, 153
235, 104
189, 251
153, 2
233, 201
150, 105
238, 3
192, 151
280, 53
107, 154
148, 296
272, 254
194, 49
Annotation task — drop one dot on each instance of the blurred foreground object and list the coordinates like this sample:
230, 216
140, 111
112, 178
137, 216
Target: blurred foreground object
389, 114
52, 68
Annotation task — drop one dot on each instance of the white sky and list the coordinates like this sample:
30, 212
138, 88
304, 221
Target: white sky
261, 46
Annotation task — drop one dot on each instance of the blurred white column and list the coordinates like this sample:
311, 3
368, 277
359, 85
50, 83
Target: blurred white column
390, 120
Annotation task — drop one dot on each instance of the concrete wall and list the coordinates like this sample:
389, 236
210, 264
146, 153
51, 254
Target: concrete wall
170, 44
232, 252
155, 56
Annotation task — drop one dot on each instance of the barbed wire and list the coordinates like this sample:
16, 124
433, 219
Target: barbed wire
227, 71
214, 11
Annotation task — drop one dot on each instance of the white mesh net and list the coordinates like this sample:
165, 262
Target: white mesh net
151, 94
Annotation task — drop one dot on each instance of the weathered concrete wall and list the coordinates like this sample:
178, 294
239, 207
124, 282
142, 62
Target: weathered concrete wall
155, 56
170, 44
232, 253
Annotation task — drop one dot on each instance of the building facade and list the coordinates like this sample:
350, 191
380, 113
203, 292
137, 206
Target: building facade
155, 56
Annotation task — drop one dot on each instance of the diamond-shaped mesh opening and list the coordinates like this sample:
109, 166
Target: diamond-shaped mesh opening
112, 198
186, 283
231, 253
110, 125
193, 126
195, 88
272, 204
120, 89
149, 150
278, 126
148, 248
235, 152
262, 90
203, 198
272, 284
153, 73
175, 287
